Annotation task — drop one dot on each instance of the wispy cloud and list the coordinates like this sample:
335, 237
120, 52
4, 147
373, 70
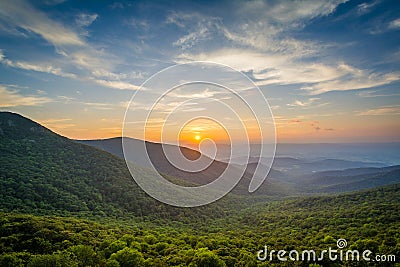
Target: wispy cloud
23, 15
198, 27
307, 103
264, 47
269, 69
100, 106
110, 79
366, 7
76, 53
394, 24
39, 67
375, 94
116, 84
367, 79
84, 20
12, 98
291, 12
381, 111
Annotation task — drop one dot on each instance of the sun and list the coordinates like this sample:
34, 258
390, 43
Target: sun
197, 137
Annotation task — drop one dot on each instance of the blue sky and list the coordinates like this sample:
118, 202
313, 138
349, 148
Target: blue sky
329, 69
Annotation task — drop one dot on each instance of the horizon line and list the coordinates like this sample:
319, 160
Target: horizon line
277, 143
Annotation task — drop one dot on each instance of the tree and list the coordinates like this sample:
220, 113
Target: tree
52, 260
85, 255
9, 260
128, 257
205, 258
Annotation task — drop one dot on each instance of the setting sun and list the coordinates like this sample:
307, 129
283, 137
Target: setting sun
197, 137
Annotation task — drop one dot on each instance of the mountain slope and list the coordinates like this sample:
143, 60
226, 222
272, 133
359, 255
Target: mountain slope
159, 160
41, 170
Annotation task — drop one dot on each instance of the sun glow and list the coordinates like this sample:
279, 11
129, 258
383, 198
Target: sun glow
197, 137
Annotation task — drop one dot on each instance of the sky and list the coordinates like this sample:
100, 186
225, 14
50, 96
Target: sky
328, 69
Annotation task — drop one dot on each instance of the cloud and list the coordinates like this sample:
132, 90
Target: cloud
380, 26
315, 125
84, 20
117, 84
198, 27
278, 69
366, 80
12, 98
192, 38
381, 111
102, 77
266, 27
298, 103
23, 15
289, 11
262, 46
119, 76
271, 23
375, 94
138, 23
100, 106
39, 67
206, 93
46, 68
76, 53
394, 24
365, 8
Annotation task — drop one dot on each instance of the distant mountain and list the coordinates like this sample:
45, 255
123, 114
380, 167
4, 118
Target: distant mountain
288, 176
387, 153
351, 172
298, 167
349, 180
158, 158
274, 185
339, 164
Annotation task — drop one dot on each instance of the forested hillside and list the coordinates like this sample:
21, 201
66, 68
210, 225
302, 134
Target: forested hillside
44, 173
367, 220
